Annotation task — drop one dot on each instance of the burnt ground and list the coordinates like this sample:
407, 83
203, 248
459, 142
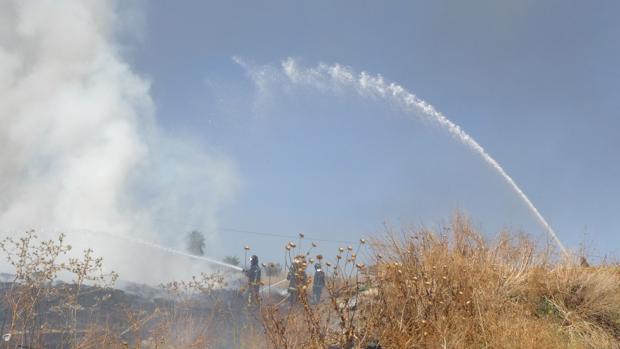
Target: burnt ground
137, 311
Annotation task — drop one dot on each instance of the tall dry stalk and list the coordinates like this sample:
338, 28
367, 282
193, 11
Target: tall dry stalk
456, 289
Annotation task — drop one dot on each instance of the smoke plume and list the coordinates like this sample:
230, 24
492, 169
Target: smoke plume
80, 147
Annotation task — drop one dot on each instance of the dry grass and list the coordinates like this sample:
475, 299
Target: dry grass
455, 289
419, 289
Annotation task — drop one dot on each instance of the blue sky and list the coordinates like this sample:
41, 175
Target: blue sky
535, 83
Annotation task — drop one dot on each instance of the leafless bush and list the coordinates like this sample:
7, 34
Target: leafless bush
455, 289
415, 289
33, 298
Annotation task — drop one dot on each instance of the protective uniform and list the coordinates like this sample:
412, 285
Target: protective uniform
297, 278
253, 274
318, 283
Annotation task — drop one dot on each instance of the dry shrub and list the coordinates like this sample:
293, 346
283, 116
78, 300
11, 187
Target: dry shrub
417, 289
34, 306
455, 289
198, 316
39, 311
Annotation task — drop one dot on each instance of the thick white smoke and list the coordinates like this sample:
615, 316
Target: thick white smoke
337, 78
79, 144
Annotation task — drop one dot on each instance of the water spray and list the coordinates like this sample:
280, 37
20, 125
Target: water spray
411, 102
335, 77
158, 247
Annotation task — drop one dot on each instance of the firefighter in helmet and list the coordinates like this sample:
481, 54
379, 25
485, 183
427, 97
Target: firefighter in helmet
253, 274
297, 278
317, 283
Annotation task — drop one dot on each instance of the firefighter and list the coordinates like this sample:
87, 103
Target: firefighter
254, 282
297, 278
317, 283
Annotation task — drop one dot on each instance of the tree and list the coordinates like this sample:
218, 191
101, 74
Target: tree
232, 260
196, 243
273, 269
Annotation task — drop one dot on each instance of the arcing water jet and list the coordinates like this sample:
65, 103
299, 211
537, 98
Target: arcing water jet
336, 77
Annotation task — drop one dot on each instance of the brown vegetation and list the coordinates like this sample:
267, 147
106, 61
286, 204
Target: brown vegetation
419, 289
455, 289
